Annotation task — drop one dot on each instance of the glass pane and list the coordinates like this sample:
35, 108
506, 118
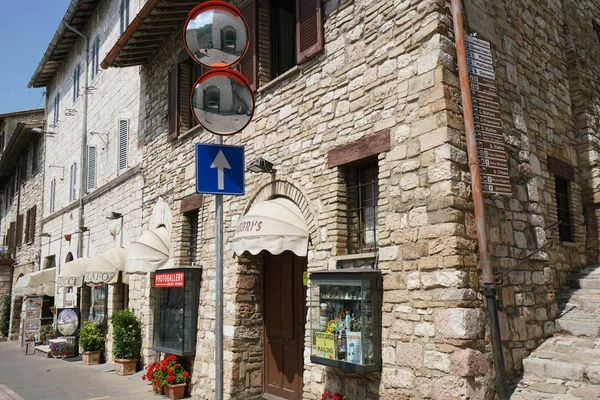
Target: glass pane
98, 304
168, 319
339, 315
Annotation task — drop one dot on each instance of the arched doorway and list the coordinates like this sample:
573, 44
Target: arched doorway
212, 99
228, 39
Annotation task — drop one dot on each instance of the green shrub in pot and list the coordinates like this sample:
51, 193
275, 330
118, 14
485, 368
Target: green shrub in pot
91, 337
127, 339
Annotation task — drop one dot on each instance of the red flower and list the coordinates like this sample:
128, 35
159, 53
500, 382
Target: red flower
144, 377
171, 378
163, 367
170, 371
157, 382
186, 374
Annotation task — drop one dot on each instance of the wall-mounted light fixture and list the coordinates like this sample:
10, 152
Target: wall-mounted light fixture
45, 234
260, 165
116, 215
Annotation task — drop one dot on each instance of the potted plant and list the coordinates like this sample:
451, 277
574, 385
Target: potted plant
157, 376
61, 349
177, 377
91, 341
126, 341
333, 396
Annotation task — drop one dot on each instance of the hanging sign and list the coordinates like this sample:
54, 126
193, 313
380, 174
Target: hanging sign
489, 133
169, 280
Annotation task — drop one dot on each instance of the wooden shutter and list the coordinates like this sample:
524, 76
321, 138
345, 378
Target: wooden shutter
173, 113
27, 226
249, 63
11, 236
309, 29
91, 168
32, 229
123, 145
19, 238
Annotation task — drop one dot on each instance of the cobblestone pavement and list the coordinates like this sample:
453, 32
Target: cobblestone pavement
35, 378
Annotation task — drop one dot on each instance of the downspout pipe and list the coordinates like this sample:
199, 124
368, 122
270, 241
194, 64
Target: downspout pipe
83, 158
489, 286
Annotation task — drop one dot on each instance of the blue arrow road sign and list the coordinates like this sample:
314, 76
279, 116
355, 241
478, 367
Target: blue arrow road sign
219, 169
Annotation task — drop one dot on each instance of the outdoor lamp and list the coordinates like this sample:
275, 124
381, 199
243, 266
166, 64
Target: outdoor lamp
114, 215
45, 234
261, 165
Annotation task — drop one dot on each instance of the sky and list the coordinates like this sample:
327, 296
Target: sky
26, 30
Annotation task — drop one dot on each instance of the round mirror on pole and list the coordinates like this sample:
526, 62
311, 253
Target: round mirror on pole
222, 102
216, 35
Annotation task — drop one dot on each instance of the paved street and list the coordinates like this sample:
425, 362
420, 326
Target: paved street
35, 378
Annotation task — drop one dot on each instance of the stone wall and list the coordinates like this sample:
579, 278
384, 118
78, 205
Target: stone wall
390, 66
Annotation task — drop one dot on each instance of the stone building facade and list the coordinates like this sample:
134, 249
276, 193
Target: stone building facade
387, 74
22, 144
112, 176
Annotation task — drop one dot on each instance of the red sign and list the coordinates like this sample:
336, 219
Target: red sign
168, 280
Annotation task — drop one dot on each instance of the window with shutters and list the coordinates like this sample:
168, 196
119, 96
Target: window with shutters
73, 182
19, 235
56, 108
96, 56
91, 168
123, 146
30, 225
52, 195
285, 33
11, 236
76, 74
182, 77
563, 208
124, 13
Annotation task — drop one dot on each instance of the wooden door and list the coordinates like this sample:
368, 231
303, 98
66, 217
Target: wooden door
285, 318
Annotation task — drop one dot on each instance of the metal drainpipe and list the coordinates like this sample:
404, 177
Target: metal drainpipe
83, 168
489, 288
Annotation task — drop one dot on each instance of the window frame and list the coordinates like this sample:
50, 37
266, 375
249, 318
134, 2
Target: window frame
358, 231
124, 16
563, 198
76, 82
96, 57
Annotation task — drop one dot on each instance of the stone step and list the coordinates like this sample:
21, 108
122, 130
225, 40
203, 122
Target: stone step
567, 358
556, 390
42, 351
578, 321
578, 296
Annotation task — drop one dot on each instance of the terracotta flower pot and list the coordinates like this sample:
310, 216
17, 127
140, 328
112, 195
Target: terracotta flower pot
158, 389
176, 391
125, 366
91, 357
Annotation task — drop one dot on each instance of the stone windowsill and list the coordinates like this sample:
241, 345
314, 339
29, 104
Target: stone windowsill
279, 79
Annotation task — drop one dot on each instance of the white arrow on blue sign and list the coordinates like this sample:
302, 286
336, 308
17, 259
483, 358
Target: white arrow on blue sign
220, 169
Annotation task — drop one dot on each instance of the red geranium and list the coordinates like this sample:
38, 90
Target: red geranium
186, 374
170, 371
171, 378
332, 396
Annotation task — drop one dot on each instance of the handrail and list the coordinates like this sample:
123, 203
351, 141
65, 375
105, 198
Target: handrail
500, 279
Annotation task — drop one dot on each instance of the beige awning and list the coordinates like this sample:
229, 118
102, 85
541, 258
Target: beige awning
105, 267
71, 274
149, 252
36, 283
273, 225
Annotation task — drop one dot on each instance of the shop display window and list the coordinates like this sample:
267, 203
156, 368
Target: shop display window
98, 304
176, 297
345, 319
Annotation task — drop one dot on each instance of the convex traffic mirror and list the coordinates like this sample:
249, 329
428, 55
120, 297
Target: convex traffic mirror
222, 102
216, 34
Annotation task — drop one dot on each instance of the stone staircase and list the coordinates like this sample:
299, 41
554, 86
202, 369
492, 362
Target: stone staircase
567, 366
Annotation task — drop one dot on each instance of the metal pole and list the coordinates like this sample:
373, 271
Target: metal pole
484, 255
121, 240
83, 167
219, 291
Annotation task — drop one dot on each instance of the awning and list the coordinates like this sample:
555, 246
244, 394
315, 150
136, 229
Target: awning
37, 283
105, 267
274, 225
71, 274
151, 251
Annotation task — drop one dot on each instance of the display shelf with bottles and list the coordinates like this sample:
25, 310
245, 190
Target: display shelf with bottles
345, 319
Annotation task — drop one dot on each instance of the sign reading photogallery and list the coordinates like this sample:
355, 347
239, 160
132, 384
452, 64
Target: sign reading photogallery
493, 162
169, 280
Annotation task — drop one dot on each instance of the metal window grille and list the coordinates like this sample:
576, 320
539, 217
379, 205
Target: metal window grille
192, 220
76, 73
52, 195
91, 168
122, 151
362, 194
563, 199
